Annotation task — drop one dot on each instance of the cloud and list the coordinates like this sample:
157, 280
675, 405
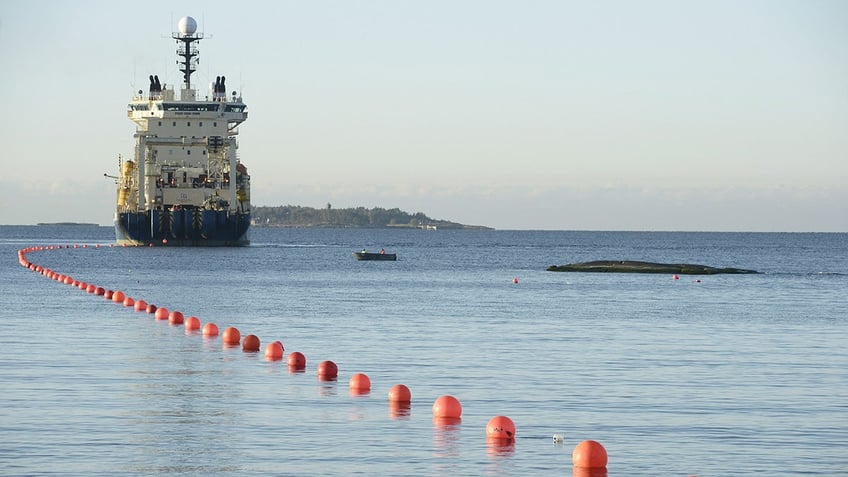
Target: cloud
31, 201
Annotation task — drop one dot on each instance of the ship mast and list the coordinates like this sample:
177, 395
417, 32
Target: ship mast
186, 49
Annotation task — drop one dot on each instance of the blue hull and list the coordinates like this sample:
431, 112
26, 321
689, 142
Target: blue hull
187, 228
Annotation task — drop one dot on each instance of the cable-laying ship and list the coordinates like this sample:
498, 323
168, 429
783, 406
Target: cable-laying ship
185, 185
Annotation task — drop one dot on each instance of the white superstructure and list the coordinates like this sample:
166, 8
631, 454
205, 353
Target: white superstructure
185, 145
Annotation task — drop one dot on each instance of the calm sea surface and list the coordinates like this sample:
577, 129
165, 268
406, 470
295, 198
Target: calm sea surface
735, 375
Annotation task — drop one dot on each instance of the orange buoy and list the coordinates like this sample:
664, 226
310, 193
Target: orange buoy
447, 406
675, 277
515, 280
99, 291
250, 344
140, 305
589, 454
500, 428
164, 241
210, 330
192, 323
118, 296
90, 288
355, 392
108, 294
281, 345
360, 381
274, 351
151, 308
327, 370
232, 336
83, 285
68, 280
128, 301
161, 313
400, 393
175, 318
296, 361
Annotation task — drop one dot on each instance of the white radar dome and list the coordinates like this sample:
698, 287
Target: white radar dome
187, 26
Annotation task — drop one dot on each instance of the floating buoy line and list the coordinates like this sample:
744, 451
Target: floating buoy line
500, 430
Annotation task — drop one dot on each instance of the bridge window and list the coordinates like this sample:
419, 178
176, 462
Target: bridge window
190, 107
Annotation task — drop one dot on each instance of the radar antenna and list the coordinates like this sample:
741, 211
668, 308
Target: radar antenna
185, 37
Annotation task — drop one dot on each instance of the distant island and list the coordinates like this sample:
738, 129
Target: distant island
69, 224
359, 217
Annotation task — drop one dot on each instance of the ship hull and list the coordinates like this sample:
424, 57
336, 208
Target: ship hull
186, 228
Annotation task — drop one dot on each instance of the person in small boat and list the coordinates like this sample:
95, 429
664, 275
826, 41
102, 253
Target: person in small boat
364, 251
382, 251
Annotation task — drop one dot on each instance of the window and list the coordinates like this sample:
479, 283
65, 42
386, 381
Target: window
188, 124
190, 107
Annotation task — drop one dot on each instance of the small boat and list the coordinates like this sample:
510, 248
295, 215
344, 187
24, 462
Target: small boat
375, 256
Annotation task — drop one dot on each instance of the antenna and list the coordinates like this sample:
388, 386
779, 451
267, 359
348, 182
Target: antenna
185, 37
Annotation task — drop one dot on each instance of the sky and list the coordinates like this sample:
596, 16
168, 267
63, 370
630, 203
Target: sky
546, 115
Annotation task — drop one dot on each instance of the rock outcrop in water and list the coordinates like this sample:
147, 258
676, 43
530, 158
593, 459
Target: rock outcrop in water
630, 266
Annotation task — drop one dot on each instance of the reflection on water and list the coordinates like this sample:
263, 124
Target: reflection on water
500, 447
400, 410
230, 346
446, 433
589, 472
168, 398
327, 388
359, 392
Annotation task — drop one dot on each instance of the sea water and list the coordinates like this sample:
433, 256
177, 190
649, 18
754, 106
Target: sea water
712, 376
